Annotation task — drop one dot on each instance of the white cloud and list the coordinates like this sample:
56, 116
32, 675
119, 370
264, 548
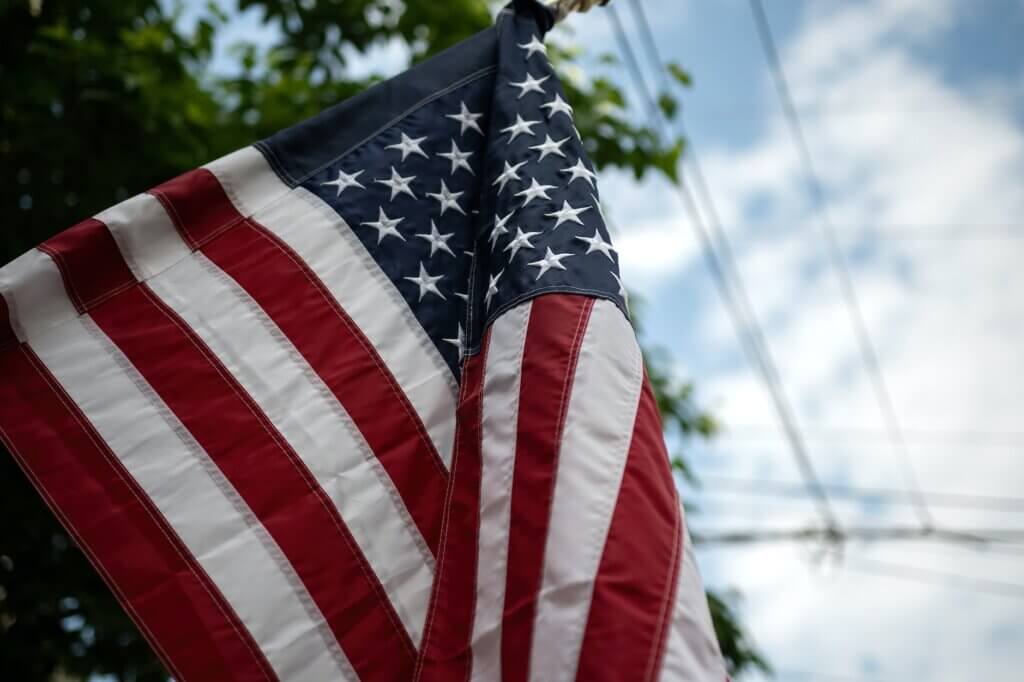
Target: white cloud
907, 186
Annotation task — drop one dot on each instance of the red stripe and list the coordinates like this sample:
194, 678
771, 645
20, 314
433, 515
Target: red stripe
7, 336
636, 579
197, 206
553, 340
268, 475
90, 263
306, 312
445, 650
175, 604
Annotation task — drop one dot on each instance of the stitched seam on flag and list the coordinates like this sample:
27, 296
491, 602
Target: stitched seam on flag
478, 418
445, 522
81, 305
472, 300
69, 283
332, 217
12, 319
193, 243
381, 279
552, 289
264, 320
175, 217
563, 408
465, 80
347, 234
368, 348
161, 523
230, 493
124, 248
443, 543
657, 655
597, 539
297, 463
507, 478
93, 559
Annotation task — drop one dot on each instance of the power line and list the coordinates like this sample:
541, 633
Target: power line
770, 488
733, 294
838, 261
973, 538
862, 435
817, 676
927, 575
650, 45
967, 536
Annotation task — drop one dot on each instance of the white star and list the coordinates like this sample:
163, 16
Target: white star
520, 241
409, 146
458, 158
467, 119
508, 174
386, 226
567, 214
597, 243
492, 289
499, 229
550, 260
447, 199
557, 106
535, 190
600, 211
549, 146
580, 171
398, 184
464, 297
345, 181
622, 289
438, 240
531, 84
533, 46
459, 341
520, 127
426, 283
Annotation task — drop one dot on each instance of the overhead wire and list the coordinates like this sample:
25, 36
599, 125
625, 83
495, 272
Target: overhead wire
731, 290
1010, 539
866, 495
849, 533
839, 265
942, 578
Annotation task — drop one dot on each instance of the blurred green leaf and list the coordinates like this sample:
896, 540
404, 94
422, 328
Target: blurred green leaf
680, 75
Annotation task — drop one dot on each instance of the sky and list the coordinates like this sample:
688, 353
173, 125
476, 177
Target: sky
914, 116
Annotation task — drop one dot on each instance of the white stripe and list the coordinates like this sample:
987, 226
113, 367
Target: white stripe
333, 251
196, 500
35, 294
313, 422
500, 420
248, 179
148, 241
595, 444
691, 650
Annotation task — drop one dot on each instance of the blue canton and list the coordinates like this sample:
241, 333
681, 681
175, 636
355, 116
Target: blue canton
480, 198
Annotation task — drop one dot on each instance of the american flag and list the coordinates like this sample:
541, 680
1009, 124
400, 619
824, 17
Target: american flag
362, 401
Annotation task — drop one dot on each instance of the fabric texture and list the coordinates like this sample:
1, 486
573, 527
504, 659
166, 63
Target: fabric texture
362, 401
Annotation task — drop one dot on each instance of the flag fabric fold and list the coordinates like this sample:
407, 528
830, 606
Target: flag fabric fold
362, 401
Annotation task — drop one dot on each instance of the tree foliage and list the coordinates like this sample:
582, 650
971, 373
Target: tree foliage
102, 99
